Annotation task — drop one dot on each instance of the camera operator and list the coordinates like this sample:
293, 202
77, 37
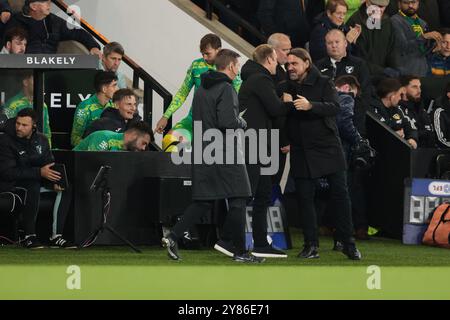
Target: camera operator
358, 154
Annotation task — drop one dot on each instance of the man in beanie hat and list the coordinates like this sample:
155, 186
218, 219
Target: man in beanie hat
46, 30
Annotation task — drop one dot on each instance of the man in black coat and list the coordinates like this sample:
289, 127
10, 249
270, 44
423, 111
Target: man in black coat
26, 161
316, 151
120, 118
261, 104
341, 63
47, 30
215, 109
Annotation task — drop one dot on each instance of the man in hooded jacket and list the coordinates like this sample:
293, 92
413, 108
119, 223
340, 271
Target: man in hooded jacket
215, 108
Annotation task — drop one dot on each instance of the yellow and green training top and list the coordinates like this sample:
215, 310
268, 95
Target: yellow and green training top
197, 68
87, 112
101, 141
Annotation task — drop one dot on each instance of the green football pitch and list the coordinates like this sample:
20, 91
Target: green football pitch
389, 270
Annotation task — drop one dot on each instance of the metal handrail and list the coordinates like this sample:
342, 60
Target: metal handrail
150, 83
211, 4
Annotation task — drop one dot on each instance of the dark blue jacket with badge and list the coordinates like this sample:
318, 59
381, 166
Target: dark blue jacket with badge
21, 159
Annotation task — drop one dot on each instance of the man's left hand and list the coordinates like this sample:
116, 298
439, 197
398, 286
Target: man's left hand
57, 188
97, 52
302, 104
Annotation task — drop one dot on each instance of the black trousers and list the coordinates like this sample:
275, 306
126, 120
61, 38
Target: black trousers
339, 200
276, 179
261, 202
234, 223
31, 208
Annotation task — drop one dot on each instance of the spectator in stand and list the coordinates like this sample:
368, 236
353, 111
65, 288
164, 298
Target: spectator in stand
414, 111
119, 118
386, 109
428, 11
439, 61
332, 18
285, 16
412, 39
15, 41
5, 15
377, 40
441, 118
353, 6
46, 30
91, 109
113, 54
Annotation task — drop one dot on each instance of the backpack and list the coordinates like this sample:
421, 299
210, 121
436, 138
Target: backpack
438, 232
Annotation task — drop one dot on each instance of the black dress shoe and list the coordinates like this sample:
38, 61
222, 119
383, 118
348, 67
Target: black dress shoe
309, 252
172, 248
351, 252
338, 246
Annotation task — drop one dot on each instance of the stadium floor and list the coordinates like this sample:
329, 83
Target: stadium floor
411, 272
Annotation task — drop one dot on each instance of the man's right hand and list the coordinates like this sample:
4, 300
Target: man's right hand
161, 125
50, 174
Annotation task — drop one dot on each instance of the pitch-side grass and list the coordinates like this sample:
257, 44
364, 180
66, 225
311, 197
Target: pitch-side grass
389, 270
